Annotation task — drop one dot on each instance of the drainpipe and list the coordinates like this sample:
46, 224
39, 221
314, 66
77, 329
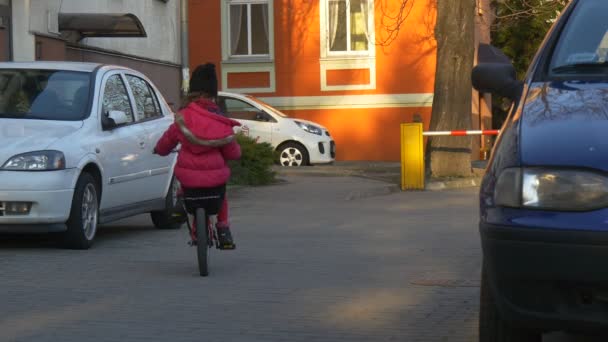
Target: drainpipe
184, 47
10, 32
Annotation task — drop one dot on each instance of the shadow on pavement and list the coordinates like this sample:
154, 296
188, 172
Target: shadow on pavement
115, 231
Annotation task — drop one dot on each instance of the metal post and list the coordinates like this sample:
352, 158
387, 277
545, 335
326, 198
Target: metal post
184, 47
412, 157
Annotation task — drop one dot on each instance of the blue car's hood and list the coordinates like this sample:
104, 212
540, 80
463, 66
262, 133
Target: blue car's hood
565, 124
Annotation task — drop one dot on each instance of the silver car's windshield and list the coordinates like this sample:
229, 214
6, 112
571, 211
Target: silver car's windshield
44, 94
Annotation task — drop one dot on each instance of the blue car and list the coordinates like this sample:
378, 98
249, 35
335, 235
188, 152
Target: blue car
544, 197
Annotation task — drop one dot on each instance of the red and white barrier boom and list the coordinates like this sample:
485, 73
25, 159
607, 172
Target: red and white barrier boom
461, 133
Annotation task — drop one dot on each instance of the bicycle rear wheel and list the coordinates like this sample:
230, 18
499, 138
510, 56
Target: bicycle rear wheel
202, 239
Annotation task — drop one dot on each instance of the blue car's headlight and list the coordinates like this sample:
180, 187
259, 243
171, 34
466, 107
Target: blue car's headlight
36, 161
309, 128
549, 189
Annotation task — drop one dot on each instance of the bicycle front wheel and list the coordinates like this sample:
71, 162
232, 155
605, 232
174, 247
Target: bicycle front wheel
202, 239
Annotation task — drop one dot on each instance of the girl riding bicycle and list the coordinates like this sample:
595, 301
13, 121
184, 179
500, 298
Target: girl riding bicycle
207, 141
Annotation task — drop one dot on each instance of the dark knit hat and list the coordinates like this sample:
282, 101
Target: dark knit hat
204, 80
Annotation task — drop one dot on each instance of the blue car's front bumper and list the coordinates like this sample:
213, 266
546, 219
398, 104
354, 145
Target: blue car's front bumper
548, 279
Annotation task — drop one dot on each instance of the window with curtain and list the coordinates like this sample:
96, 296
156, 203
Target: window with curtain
348, 25
249, 34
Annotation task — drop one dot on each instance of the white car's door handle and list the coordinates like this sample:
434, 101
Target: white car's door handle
142, 144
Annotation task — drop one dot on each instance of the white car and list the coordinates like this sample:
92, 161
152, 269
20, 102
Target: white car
299, 142
76, 143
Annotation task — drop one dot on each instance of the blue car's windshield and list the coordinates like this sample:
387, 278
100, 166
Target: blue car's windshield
44, 94
583, 44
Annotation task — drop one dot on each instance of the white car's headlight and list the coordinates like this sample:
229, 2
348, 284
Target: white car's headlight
36, 161
309, 128
548, 189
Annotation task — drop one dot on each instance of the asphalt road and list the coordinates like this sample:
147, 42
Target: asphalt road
317, 260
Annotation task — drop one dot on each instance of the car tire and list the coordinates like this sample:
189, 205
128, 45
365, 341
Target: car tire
173, 216
293, 154
84, 214
492, 328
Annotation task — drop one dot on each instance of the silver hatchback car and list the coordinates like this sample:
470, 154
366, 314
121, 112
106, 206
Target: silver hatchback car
76, 143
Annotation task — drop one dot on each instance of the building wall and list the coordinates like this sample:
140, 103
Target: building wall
160, 20
166, 77
397, 82
23, 39
35, 37
204, 38
50, 48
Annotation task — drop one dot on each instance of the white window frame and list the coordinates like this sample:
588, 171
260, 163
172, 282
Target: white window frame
325, 45
226, 31
346, 60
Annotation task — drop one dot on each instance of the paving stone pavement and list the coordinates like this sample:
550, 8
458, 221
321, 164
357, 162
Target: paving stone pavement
313, 263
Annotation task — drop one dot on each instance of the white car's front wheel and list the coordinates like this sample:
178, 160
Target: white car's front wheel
293, 154
84, 215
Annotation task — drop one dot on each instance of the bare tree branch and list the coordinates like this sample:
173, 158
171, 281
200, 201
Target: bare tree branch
508, 12
391, 22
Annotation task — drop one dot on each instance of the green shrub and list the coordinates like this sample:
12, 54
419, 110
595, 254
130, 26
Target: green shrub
255, 165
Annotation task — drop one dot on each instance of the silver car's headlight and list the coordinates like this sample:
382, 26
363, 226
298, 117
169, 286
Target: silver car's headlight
549, 189
36, 161
309, 128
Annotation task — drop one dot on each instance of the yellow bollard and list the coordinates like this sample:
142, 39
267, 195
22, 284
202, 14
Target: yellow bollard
412, 157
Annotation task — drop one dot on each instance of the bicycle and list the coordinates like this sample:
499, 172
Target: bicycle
204, 204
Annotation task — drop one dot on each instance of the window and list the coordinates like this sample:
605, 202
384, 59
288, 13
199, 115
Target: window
267, 106
249, 28
347, 42
146, 102
348, 26
115, 97
237, 109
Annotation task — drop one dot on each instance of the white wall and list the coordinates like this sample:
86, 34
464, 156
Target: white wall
23, 41
161, 21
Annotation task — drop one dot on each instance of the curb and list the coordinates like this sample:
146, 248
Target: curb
317, 173
431, 185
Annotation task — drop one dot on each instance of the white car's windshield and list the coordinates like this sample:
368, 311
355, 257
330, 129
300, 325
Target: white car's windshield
44, 94
267, 106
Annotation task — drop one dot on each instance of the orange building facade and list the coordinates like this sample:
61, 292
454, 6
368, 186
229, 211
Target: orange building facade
340, 63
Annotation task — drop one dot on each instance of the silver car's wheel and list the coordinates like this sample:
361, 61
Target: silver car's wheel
173, 216
293, 154
84, 215
89, 211
174, 193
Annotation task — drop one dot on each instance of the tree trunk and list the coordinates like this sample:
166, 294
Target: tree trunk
455, 35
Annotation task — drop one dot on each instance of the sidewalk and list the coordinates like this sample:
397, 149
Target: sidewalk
389, 172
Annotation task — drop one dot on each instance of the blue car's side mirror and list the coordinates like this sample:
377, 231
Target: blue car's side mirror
497, 78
